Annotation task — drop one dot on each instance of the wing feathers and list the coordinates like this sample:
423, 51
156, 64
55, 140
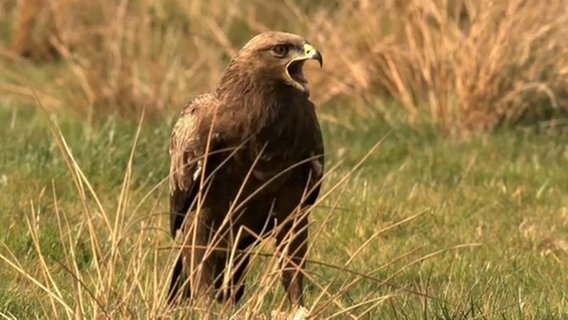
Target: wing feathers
186, 149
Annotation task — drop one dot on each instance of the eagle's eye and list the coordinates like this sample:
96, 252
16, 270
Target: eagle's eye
280, 50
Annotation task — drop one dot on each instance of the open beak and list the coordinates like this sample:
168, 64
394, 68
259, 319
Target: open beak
311, 53
295, 66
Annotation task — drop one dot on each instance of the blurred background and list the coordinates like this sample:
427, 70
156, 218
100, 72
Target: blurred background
467, 66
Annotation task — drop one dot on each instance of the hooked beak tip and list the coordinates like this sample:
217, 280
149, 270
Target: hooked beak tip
313, 53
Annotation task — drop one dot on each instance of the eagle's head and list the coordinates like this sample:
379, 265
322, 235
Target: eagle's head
276, 58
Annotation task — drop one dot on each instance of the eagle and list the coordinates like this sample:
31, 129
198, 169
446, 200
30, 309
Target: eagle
247, 162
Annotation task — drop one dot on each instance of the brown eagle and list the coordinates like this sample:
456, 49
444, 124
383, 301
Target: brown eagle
246, 161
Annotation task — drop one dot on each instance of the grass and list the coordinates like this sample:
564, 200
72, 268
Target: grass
427, 227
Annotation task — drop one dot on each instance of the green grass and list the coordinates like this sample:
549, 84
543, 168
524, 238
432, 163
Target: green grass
486, 235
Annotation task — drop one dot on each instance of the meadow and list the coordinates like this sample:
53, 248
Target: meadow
444, 124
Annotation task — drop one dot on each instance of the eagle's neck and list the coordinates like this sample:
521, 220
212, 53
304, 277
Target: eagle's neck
260, 102
264, 113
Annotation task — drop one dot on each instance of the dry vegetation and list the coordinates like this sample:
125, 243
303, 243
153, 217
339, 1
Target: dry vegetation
467, 65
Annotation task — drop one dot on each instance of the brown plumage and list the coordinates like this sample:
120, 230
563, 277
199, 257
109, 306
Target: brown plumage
246, 159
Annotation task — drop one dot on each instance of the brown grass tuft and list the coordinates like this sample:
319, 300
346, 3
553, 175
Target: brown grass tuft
32, 29
470, 66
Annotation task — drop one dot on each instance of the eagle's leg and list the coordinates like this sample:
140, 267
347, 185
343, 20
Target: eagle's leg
292, 239
235, 288
233, 291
